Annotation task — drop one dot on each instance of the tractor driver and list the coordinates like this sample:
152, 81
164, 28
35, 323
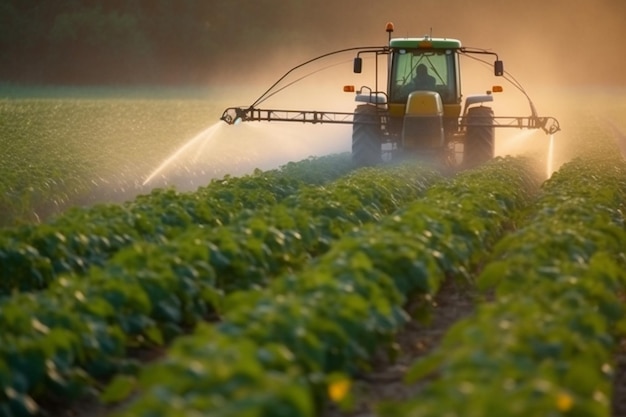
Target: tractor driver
422, 80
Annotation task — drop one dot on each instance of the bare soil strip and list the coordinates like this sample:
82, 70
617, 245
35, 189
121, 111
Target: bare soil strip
385, 382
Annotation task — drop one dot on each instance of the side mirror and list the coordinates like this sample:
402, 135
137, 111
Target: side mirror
358, 64
498, 68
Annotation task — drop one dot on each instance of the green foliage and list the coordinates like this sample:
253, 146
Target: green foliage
544, 345
148, 291
330, 318
33, 256
290, 328
60, 153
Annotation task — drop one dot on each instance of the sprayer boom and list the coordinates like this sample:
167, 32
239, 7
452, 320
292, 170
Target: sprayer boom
234, 115
420, 110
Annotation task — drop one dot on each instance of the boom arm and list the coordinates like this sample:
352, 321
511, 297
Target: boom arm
234, 115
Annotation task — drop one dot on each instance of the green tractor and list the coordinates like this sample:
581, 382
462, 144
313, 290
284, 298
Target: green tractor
421, 114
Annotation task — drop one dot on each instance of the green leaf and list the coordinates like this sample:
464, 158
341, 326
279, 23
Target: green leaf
492, 275
154, 335
119, 389
424, 367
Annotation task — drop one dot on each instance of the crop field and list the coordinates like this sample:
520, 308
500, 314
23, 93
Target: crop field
69, 147
132, 287
60, 152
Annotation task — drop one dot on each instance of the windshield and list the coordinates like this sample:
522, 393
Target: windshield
423, 70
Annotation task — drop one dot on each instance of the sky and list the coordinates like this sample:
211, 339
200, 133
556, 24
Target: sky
550, 42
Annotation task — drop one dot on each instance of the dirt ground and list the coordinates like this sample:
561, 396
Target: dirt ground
454, 302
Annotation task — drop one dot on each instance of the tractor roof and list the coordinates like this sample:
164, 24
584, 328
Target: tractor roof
425, 42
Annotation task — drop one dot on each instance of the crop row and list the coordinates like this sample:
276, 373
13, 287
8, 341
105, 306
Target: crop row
280, 351
544, 345
57, 339
32, 256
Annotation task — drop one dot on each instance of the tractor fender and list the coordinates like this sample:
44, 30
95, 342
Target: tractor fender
372, 98
476, 99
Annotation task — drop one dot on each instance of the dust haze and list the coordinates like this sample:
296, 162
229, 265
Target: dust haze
552, 42
548, 46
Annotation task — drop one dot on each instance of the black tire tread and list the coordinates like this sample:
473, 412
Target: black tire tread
366, 136
479, 140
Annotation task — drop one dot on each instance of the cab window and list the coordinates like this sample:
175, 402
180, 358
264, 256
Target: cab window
439, 65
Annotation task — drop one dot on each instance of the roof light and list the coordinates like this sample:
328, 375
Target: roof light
348, 89
389, 27
497, 89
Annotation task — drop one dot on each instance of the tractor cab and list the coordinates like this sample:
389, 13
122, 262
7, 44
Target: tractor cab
418, 68
424, 93
436, 57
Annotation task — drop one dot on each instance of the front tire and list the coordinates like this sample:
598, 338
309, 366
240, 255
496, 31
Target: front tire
479, 139
366, 136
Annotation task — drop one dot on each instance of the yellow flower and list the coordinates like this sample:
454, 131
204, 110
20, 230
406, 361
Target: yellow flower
338, 389
564, 401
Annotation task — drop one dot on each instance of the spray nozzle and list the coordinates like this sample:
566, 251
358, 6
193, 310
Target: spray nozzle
549, 125
235, 115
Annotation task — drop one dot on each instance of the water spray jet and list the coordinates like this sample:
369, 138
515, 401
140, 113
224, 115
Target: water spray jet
203, 138
550, 160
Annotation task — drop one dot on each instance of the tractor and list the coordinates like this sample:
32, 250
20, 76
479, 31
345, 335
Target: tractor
421, 114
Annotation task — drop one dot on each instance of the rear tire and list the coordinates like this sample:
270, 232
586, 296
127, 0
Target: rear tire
366, 136
479, 139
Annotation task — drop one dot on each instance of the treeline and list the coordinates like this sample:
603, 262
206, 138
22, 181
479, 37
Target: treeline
132, 41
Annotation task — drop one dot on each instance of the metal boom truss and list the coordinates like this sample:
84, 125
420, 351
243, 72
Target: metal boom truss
234, 115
